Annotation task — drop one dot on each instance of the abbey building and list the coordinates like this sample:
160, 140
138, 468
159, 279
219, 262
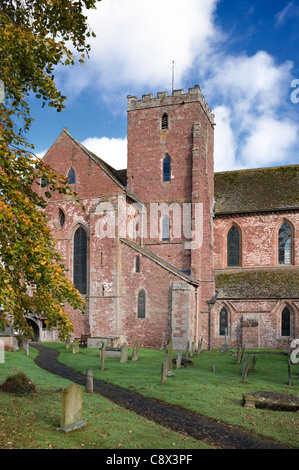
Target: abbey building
167, 246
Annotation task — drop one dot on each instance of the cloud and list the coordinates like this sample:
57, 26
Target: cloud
112, 151
252, 95
289, 11
137, 41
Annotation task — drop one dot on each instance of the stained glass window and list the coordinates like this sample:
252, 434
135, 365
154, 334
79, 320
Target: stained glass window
71, 176
80, 260
233, 247
285, 322
141, 304
166, 168
284, 244
223, 322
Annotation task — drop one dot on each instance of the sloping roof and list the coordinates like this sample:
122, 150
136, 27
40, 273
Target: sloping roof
265, 283
261, 189
157, 259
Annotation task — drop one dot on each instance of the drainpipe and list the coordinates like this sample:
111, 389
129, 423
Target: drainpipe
210, 303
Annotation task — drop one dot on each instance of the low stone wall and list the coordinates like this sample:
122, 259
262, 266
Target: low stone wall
9, 342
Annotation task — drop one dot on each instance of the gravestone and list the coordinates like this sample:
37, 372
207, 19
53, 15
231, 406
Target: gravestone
89, 381
169, 354
67, 344
75, 347
164, 371
71, 416
124, 353
178, 360
26, 349
225, 346
102, 355
187, 350
135, 353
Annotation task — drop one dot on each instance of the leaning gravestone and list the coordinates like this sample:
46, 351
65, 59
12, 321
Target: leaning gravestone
169, 354
164, 371
102, 355
89, 381
71, 416
178, 360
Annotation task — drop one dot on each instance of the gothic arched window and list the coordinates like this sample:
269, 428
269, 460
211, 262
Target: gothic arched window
165, 228
141, 310
233, 247
80, 260
223, 322
285, 244
166, 168
71, 176
285, 322
164, 121
61, 217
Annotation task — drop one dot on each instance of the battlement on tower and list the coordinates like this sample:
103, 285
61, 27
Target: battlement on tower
177, 97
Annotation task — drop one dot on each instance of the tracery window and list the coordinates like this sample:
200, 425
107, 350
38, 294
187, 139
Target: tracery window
80, 260
223, 322
284, 244
141, 309
71, 176
285, 322
166, 168
233, 247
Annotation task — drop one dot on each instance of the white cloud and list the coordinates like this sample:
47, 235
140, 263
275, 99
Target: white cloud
136, 42
253, 92
269, 142
112, 151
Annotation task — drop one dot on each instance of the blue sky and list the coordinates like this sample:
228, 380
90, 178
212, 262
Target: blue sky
243, 54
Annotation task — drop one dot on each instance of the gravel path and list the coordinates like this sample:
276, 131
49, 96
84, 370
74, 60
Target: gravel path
220, 435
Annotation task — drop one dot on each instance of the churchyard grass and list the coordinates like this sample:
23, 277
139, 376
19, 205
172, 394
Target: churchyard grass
215, 394
29, 422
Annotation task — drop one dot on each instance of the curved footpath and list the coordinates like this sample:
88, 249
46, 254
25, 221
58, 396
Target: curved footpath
219, 435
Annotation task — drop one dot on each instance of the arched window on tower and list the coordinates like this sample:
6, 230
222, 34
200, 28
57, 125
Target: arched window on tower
286, 322
80, 260
164, 121
166, 168
223, 322
233, 247
285, 244
71, 176
141, 308
165, 228
61, 217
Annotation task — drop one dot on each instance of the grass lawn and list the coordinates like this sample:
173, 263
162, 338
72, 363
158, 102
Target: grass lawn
215, 394
30, 421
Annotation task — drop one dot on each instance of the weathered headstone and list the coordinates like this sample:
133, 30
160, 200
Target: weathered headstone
245, 368
213, 367
187, 350
225, 346
89, 381
75, 347
135, 353
67, 344
169, 354
26, 349
102, 354
124, 353
164, 371
192, 349
178, 360
71, 416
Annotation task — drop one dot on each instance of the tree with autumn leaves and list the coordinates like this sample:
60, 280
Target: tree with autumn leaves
35, 36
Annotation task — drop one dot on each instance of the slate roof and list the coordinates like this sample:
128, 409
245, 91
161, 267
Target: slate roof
254, 283
261, 189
